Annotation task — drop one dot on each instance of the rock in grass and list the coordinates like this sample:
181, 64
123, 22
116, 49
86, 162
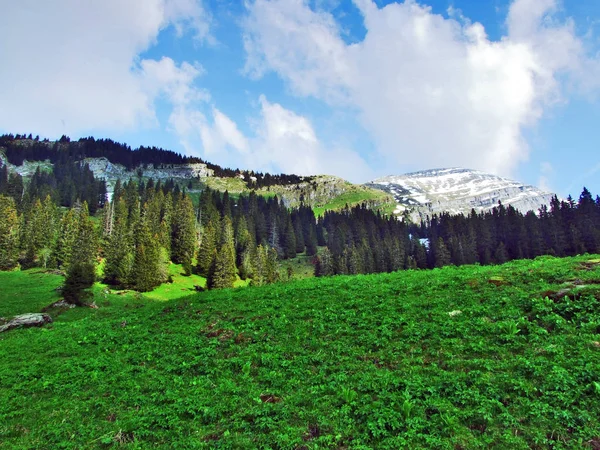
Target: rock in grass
27, 320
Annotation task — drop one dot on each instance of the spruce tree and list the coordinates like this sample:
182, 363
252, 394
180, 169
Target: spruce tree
119, 248
207, 250
442, 255
81, 272
146, 272
224, 273
67, 233
9, 233
289, 247
183, 244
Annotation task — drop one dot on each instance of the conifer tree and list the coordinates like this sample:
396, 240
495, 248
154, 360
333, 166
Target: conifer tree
9, 233
207, 251
289, 248
500, 254
325, 264
271, 266
299, 234
442, 255
224, 273
67, 233
119, 248
184, 239
81, 272
146, 272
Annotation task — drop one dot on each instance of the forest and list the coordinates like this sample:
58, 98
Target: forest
63, 220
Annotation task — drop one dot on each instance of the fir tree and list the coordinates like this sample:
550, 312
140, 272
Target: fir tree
81, 272
224, 273
207, 250
289, 240
442, 255
146, 272
184, 239
119, 248
9, 233
67, 233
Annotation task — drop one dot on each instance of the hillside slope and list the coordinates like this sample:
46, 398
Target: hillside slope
321, 192
469, 357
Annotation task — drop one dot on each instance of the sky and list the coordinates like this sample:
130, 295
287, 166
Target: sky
358, 89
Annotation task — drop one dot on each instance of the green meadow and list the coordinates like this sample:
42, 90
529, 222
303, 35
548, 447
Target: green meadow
470, 357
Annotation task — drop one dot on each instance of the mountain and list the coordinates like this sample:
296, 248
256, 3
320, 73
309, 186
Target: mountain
111, 161
457, 190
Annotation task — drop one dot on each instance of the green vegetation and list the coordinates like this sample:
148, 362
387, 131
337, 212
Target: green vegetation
467, 357
28, 291
356, 195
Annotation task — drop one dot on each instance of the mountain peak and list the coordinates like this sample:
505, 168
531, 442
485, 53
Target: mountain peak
457, 190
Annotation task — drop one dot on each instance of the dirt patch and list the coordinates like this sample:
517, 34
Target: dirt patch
269, 398
313, 432
594, 443
591, 264
497, 281
222, 333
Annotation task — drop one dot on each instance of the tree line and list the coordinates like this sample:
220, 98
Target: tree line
143, 228
18, 148
361, 241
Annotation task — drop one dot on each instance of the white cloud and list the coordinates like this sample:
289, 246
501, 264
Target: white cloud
282, 142
73, 67
432, 91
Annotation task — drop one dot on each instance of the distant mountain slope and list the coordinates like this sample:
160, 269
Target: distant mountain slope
456, 191
111, 161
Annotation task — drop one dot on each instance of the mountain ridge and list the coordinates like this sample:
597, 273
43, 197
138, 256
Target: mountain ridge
413, 196
457, 190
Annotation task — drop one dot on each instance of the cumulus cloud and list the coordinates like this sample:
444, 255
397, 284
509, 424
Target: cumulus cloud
281, 142
73, 67
431, 90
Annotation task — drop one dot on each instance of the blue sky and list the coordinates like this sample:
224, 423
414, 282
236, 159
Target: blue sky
358, 89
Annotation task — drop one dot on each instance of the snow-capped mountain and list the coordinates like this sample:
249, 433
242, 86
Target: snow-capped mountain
456, 191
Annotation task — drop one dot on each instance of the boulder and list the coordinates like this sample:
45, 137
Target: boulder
27, 320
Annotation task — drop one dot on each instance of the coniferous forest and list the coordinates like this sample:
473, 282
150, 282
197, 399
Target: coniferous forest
63, 220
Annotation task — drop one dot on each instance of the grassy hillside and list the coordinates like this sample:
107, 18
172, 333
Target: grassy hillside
502, 357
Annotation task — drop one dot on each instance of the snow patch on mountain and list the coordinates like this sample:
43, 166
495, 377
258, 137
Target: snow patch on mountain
456, 191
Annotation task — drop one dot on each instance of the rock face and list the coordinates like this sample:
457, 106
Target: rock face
316, 190
27, 320
456, 191
105, 170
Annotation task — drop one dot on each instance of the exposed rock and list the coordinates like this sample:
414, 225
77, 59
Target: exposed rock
27, 320
457, 191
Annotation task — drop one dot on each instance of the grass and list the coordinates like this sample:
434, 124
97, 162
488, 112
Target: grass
301, 267
355, 196
181, 286
504, 357
28, 291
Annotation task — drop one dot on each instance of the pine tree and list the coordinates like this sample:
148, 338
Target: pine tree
324, 264
207, 251
9, 233
289, 247
119, 248
500, 255
146, 271
271, 266
67, 233
81, 272
224, 273
183, 244
442, 255
300, 244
